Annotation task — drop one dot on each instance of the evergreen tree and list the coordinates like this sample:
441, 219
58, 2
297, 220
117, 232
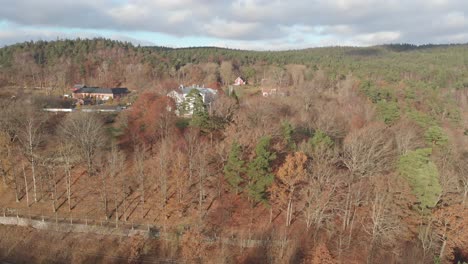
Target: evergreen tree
194, 102
259, 171
436, 136
388, 111
320, 140
234, 167
287, 131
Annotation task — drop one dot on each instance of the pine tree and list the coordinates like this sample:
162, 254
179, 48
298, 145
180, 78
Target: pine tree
320, 140
259, 171
287, 131
200, 117
234, 167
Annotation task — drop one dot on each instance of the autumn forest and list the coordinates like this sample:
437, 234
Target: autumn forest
359, 156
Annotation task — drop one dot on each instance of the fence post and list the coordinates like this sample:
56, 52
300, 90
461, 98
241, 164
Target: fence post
132, 225
4, 214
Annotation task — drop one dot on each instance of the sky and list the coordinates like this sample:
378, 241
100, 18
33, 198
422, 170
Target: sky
240, 24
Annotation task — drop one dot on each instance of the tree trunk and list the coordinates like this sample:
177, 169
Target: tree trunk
15, 182
33, 172
68, 188
54, 197
124, 199
3, 174
104, 196
465, 194
89, 164
442, 249
26, 186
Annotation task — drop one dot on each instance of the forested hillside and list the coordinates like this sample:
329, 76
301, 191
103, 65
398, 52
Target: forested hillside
106, 62
362, 159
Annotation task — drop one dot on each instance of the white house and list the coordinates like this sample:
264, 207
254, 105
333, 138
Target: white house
180, 96
239, 81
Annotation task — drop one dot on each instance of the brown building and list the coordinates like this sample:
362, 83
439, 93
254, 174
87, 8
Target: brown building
99, 93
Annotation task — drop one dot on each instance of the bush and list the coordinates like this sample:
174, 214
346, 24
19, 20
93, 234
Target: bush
422, 175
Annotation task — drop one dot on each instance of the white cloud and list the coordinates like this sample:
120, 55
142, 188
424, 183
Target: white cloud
293, 22
230, 29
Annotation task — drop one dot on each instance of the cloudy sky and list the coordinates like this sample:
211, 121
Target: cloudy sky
246, 24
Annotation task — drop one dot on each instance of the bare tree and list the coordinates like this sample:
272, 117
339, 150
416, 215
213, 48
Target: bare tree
191, 139
279, 75
463, 176
103, 188
26, 188
115, 161
202, 171
427, 237
51, 177
407, 137
140, 156
321, 185
179, 172
226, 72
125, 193
367, 152
446, 161
85, 130
66, 153
381, 223
29, 126
164, 170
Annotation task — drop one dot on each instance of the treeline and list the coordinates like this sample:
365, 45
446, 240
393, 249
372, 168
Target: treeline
106, 62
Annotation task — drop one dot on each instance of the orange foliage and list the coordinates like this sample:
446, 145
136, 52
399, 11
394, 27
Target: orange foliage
290, 175
451, 223
322, 255
150, 117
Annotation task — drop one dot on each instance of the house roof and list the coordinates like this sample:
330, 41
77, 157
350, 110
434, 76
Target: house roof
203, 90
79, 86
98, 90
